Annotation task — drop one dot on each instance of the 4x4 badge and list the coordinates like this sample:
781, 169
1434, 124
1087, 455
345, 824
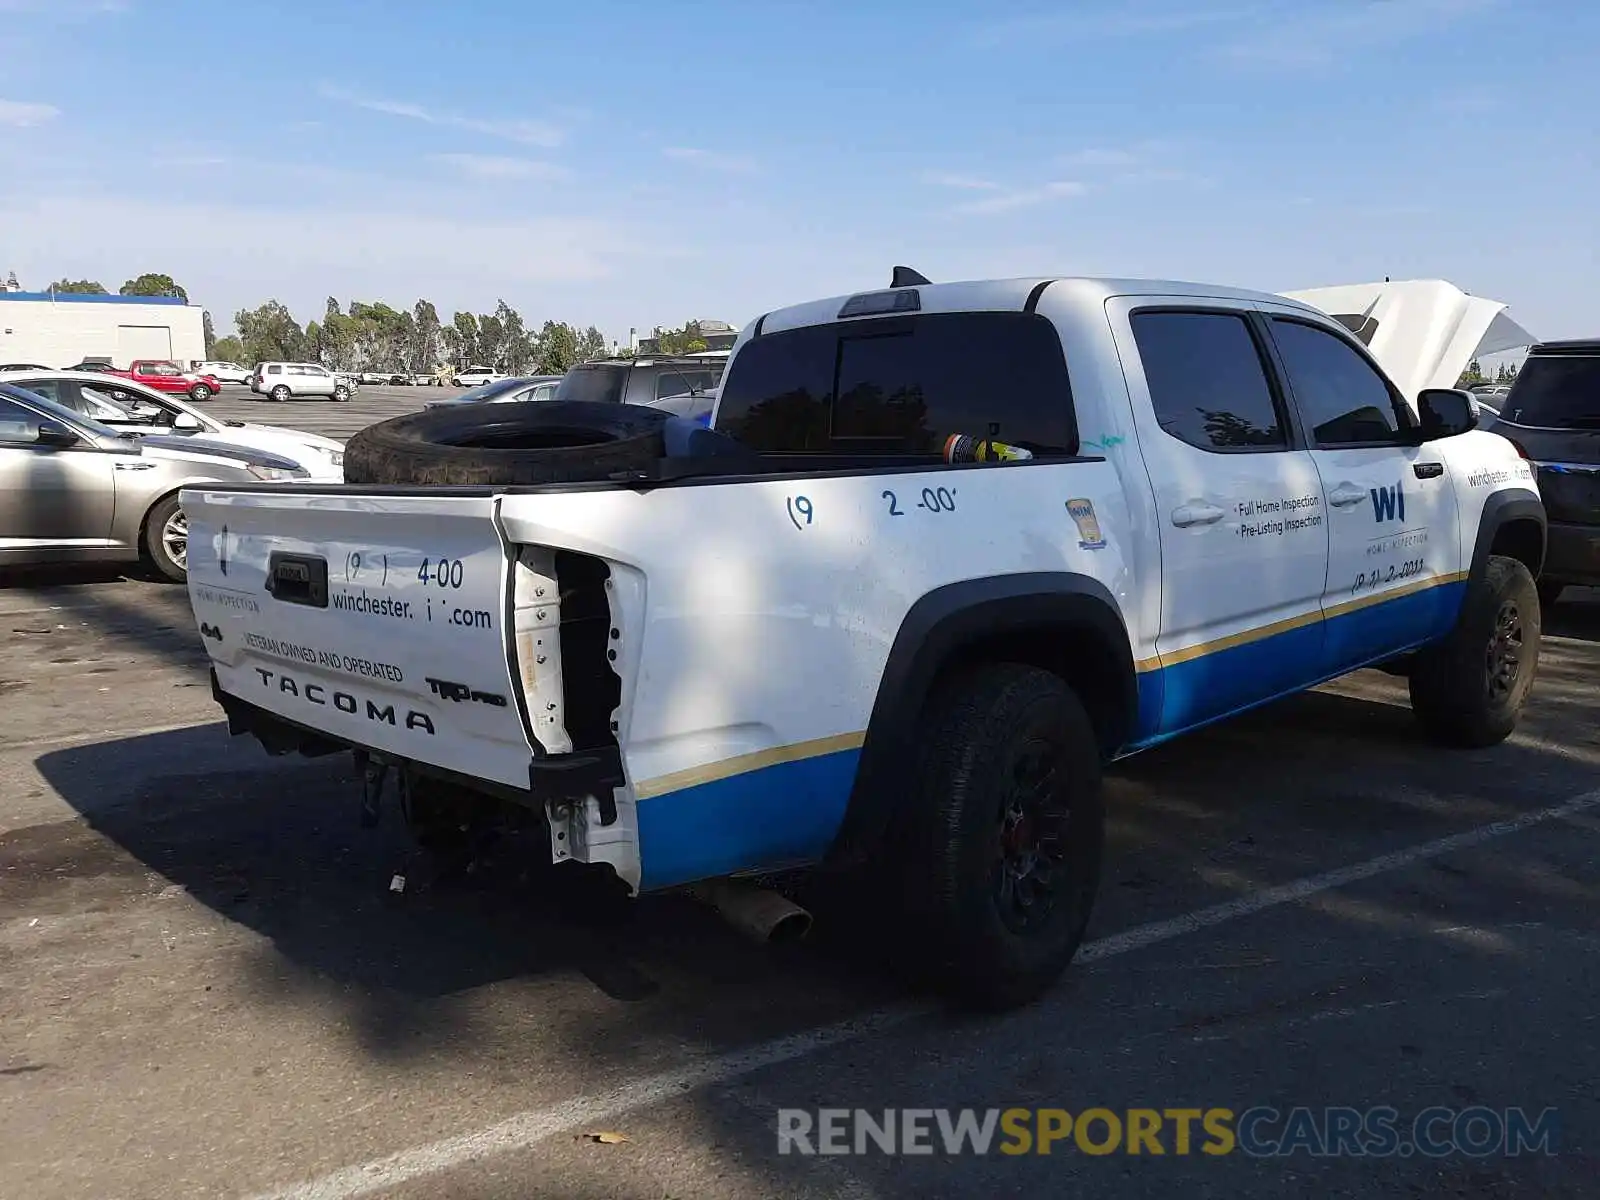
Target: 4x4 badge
208, 630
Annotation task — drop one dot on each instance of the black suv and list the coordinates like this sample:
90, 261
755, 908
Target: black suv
1552, 415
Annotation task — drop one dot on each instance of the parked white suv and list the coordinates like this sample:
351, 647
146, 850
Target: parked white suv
281, 380
225, 372
477, 376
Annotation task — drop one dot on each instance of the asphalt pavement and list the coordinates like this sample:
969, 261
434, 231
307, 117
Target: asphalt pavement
207, 987
318, 414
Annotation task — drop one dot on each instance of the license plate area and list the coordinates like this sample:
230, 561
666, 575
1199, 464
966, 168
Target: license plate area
298, 579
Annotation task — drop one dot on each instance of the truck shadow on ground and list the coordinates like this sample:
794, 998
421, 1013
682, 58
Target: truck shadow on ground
1575, 615
274, 845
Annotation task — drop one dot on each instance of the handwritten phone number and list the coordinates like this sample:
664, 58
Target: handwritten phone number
1378, 576
443, 573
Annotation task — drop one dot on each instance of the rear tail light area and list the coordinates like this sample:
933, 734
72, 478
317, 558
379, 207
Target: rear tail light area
567, 648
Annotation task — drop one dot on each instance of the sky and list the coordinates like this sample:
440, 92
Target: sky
633, 165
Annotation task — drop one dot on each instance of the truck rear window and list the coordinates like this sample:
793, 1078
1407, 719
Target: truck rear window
902, 385
1556, 392
601, 385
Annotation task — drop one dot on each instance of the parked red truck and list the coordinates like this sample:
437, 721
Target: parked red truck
162, 374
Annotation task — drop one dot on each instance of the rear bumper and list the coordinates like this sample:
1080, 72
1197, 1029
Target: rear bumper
1572, 554
554, 778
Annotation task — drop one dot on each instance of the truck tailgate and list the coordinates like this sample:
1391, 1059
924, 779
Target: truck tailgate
384, 625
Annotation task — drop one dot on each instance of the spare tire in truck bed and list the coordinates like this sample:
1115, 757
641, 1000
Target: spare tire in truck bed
549, 441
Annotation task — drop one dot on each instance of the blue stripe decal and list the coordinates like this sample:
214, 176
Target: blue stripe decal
1186, 695
778, 815
1213, 685
789, 812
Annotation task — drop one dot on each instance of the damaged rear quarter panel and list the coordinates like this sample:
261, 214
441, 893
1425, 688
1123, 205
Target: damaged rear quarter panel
756, 618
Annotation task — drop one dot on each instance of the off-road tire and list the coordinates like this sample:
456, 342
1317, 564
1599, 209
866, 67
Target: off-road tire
527, 443
1461, 691
952, 834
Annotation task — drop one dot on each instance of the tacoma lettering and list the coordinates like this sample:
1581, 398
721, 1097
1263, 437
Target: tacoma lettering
316, 693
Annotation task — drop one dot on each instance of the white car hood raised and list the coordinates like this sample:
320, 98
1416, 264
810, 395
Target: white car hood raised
1423, 332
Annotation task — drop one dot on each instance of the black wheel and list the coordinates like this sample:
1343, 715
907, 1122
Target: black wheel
279, 394
341, 394
1469, 690
522, 443
1002, 835
200, 393
1549, 592
166, 539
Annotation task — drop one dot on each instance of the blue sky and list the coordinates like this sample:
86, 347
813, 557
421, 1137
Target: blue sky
631, 165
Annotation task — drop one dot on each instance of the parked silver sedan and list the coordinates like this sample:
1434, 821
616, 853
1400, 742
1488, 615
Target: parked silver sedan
73, 490
516, 390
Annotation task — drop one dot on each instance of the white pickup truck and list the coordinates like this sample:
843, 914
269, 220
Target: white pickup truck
803, 638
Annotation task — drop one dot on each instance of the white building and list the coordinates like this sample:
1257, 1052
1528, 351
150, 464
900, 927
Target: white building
58, 329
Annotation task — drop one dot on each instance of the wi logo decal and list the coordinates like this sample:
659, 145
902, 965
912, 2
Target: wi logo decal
1388, 504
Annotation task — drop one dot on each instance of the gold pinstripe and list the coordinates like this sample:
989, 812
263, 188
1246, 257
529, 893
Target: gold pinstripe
800, 751
744, 763
1189, 653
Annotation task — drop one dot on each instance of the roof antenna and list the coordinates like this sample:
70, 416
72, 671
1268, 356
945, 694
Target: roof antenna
906, 277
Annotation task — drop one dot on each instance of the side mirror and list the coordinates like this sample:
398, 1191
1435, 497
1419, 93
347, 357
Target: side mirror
53, 433
1446, 412
187, 423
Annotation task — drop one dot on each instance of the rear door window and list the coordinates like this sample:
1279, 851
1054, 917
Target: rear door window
1207, 382
681, 383
902, 385
1556, 392
601, 385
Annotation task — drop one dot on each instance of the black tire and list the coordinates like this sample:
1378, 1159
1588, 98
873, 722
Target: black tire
526, 443
970, 825
200, 393
341, 395
155, 547
279, 394
1469, 689
1549, 592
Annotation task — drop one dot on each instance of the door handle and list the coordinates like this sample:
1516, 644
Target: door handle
1196, 512
1346, 494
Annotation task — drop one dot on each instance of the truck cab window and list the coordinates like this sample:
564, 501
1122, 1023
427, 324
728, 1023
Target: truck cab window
1341, 396
1207, 381
902, 385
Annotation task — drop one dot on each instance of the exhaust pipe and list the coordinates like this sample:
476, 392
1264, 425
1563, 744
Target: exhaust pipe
756, 912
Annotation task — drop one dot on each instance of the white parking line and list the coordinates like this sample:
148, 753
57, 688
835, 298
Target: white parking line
587, 1112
